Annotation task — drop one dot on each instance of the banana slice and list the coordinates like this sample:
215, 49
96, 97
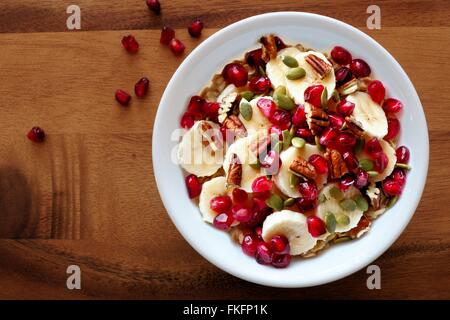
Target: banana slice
332, 205
294, 227
210, 189
368, 115
282, 179
200, 151
258, 120
392, 160
241, 148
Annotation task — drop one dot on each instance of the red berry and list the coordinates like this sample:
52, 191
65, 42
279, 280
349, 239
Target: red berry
254, 58
188, 119
249, 244
345, 108
392, 106
341, 55
305, 133
360, 68
319, 163
277, 131
239, 195
195, 29
167, 34
373, 146
193, 185
306, 205
141, 87
262, 184
329, 136
176, 46
154, 5
196, 104
362, 179
380, 162
281, 118
399, 176
346, 182
267, 107
402, 154
220, 204
279, 244
346, 140
313, 95
271, 162
392, 187
336, 121
36, 134
241, 213
258, 232
343, 75
308, 190
130, 44
263, 254
123, 97
223, 221
350, 160
299, 117
393, 129
376, 91
259, 84
211, 109
316, 226
281, 261
236, 74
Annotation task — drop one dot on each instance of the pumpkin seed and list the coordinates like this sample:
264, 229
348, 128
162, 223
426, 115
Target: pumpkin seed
291, 62
247, 95
324, 98
330, 222
279, 90
342, 239
275, 202
348, 204
294, 181
278, 147
298, 142
343, 219
287, 137
359, 145
362, 203
392, 202
246, 110
336, 96
372, 173
366, 164
403, 166
322, 198
289, 202
336, 193
284, 102
262, 71
318, 145
296, 73
255, 165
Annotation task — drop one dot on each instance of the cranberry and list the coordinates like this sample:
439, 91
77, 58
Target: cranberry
195, 29
141, 87
123, 97
282, 118
259, 84
241, 213
211, 109
402, 153
305, 133
299, 117
392, 187
313, 95
360, 68
346, 182
239, 195
279, 244
276, 130
167, 34
319, 163
393, 129
341, 55
336, 120
362, 179
220, 204
306, 205
258, 232
249, 244
345, 108
328, 137
254, 58
267, 107
223, 221
176, 46
308, 190
346, 140
343, 75
36, 134
316, 226
350, 160
193, 185
154, 5
376, 91
262, 184
271, 162
263, 253
281, 260
130, 44
392, 105
380, 162
399, 176
188, 119
236, 74
373, 146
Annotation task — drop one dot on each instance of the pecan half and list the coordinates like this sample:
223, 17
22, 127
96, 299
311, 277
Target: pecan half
269, 47
234, 171
322, 67
233, 123
354, 127
361, 228
337, 164
318, 120
301, 167
210, 136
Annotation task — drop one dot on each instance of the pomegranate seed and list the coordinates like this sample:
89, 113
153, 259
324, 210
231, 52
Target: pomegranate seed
141, 87
380, 162
336, 120
402, 154
362, 179
211, 109
271, 162
262, 184
306, 205
241, 213
399, 176
376, 91
220, 204
130, 44
176, 46
328, 137
267, 107
249, 244
259, 199
281, 118
319, 163
345, 108
281, 260
188, 119
258, 232
392, 106
196, 104
167, 34
299, 117
392, 187
123, 97
258, 216
254, 58
393, 129
316, 226
259, 84
279, 43
236, 74
346, 140
154, 5
343, 75
308, 190
341, 55
313, 94
276, 130
346, 182
279, 245
36, 134
373, 146
350, 160
360, 68
193, 185
239, 195
305, 133
195, 29
263, 253
223, 221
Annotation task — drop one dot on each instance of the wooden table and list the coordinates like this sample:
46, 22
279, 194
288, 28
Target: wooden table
87, 196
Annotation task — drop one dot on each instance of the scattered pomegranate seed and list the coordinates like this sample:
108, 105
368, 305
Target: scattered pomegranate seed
36, 134
360, 68
254, 58
263, 254
195, 29
262, 184
249, 244
306, 205
258, 232
345, 108
336, 120
373, 146
316, 226
350, 160
258, 216
130, 44
167, 34
402, 154
141, 87
299, 117
308, 190
281, 118
239, 195
341, 55
362, 179
235, 73
188, 119
177, 47
392, 187
281, 260
392, 105
276, 130
195, 104
313, 93
220, 204
305, 133
154, 5
393, 129
271, 162
267, 107
346, 140
376, 91
241, 213
343, 75
380, 162
399, 176
319, 163
279, 244
346, 182
123, 97
211, 109
193, 185
223, 221
329, 136
259, 84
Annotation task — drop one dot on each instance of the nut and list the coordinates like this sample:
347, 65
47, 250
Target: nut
337, 164
322, 67
318, 120
235, 171
354, 128
301, 167
233, 123
269, 47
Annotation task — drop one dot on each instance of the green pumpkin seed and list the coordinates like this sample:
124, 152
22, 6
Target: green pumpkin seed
298, 142
278, 147
294, 181
359, 145
246, 110
262, 71
296, 73
279, 90
324, 98
275, 202
372, 173
287, 137
342, 239
291, 62
318, 145
255, 165
284, 102
274, 138
322, 198
366, 164
330, 222
247, 95
336, 96
348, 204
403, 166
292, 131
336, 193
343, 220
289, 202
392, 202
362, 203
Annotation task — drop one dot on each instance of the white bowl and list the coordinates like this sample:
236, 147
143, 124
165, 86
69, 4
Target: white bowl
195, 72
